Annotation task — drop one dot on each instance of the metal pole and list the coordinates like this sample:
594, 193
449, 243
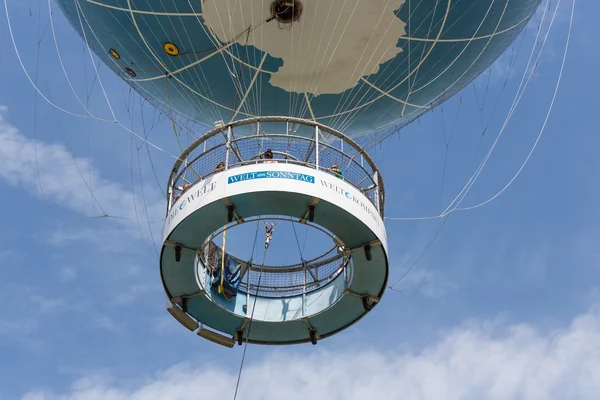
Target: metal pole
248, 268
317, 147
170, 197
207, 243
228, 146
376, 199
261, 145
304, 291
220, 288
345, 271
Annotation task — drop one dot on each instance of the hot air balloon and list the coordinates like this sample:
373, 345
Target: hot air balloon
285, 87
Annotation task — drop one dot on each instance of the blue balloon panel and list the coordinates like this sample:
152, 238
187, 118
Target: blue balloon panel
357, 66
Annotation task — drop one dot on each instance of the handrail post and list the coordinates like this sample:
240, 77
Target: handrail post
304, 291
228, 147
170, 195
345, 264
262, 141
317, 147
248, 268
207, 243
376, 195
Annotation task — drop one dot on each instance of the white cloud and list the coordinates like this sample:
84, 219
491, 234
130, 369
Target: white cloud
133, 292
47, 305
50, 171
425, 282
164, 325
104, 322
8, 327
107, 238
476, 361
18, 330
67, 273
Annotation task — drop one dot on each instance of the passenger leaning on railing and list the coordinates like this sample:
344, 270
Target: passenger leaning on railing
182, 190
219, 168
335, 170
268, 156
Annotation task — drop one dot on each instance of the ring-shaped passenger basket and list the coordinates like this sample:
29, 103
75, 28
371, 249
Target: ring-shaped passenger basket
225, 299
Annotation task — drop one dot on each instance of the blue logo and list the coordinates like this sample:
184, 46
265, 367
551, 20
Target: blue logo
183, 204
271, 174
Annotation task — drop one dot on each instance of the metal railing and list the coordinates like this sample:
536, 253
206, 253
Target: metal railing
304, 142
279, 281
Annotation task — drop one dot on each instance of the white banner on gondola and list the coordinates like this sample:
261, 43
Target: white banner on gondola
277, 177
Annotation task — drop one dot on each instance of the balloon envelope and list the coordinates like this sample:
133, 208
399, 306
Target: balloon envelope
358, 65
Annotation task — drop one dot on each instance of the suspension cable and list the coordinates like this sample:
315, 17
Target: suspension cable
237, 385
297, 241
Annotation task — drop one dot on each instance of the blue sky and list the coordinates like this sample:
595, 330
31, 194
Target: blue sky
504, 304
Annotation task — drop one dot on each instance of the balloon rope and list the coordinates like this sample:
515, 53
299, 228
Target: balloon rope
237, 385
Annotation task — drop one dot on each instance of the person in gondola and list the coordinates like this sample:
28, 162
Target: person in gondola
268, 234
268, 156
182, 190
335, 170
